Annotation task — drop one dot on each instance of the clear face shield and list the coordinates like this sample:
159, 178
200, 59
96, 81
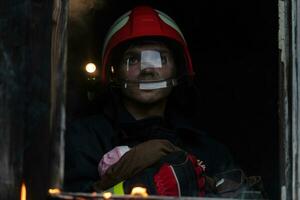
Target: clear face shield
147, 68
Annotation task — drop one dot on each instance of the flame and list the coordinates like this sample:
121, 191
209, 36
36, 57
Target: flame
23, 191
54, 191
139, 191
107, 195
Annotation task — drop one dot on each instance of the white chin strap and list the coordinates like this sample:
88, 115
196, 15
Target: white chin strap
151, 85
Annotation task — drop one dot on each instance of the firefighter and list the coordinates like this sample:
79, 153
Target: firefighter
147, 109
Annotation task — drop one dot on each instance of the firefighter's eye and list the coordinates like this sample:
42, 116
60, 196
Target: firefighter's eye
130, 60
164, 59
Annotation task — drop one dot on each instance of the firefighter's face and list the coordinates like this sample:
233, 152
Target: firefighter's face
146, 68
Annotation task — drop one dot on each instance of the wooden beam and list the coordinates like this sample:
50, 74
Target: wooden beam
12, 95
289, 90
38, 85
58, 91
32, 96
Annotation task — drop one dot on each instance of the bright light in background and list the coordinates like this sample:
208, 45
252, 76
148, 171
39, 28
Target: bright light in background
90, 67
112, 69
139, 191
23, 191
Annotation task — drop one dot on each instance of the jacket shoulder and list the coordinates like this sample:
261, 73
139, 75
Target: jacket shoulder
91, 131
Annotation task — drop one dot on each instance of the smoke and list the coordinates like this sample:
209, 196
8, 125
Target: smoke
79, 9
81, 14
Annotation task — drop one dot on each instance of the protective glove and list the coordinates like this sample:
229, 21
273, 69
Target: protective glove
134, 161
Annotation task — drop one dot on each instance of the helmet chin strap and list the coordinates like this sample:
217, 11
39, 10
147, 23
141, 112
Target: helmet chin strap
151, 85
157, 84
148, 85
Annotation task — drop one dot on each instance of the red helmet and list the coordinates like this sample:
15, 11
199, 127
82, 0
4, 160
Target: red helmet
143, 21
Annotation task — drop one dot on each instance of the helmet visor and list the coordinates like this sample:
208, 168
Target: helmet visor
147, 69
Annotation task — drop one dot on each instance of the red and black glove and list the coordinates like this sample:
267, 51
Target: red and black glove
176, 174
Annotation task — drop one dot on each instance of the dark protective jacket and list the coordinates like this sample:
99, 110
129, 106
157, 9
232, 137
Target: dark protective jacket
88, 139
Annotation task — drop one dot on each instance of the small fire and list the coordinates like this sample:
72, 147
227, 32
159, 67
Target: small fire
139, 191
54, 191
23, 191
107, 195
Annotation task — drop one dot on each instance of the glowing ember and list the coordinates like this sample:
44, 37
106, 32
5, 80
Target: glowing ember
107, 195
139, 191
90, 67
54, 191
23, 191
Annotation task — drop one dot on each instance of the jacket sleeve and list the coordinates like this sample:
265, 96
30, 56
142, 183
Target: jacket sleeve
215, 155
85, 144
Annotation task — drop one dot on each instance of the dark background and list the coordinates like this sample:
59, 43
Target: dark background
235, 55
